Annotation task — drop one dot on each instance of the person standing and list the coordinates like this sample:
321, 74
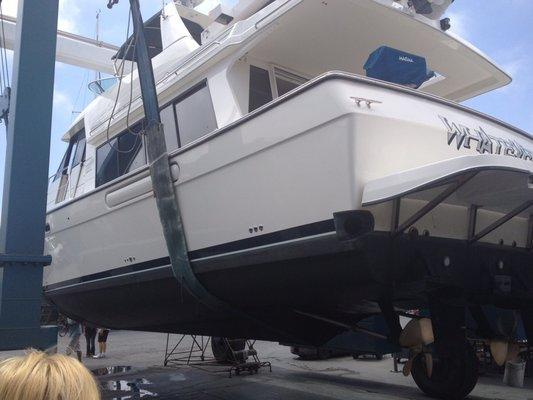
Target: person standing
90, 338
103, 333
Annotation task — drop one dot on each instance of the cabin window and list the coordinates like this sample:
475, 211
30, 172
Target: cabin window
287, 81
120, 155
106, 162
63, 166
195, 115
260, 89
168, 119
79, 154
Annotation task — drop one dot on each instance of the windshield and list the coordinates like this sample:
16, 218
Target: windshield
102, 85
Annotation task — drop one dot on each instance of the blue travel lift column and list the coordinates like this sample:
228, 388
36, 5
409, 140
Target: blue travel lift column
26, 179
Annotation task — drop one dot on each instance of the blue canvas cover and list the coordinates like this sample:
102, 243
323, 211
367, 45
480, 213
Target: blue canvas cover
396, 66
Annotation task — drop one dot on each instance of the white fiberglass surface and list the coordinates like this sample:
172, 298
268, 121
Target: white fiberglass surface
315, 37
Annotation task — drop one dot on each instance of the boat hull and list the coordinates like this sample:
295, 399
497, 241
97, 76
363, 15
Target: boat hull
272, 294
258, 199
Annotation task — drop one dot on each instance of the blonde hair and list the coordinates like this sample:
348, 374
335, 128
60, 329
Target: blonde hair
39, 376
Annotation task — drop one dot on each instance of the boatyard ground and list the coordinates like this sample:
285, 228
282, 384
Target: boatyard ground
143, 376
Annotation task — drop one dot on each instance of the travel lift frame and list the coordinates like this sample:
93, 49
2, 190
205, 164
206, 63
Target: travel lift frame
26, 177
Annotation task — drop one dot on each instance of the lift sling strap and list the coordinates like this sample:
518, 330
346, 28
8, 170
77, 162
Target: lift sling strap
163, 187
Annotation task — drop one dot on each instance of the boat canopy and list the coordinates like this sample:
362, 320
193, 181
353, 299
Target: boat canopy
315, 37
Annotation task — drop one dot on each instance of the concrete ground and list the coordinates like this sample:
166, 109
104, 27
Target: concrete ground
133, 369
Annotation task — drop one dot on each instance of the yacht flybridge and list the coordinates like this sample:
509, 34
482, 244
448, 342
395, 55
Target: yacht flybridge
327, 178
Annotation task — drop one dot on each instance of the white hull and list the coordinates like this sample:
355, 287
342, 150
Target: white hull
295, 163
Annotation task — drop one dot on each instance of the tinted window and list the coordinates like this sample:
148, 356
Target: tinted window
129, 145
63, 167
286, 81
195, 115
79, 155
285, 86
120, 156
106, 162
169, 123
260, 89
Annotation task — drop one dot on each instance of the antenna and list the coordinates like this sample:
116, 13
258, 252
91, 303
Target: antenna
98, 74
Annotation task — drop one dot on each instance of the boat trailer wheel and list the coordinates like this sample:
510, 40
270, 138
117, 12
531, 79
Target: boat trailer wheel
453, 377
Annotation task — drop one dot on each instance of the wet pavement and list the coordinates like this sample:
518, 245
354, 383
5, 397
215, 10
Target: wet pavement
133, 370
203, 384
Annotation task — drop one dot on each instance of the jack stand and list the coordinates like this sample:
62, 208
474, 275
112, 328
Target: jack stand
191, 356
228, 353
251, 367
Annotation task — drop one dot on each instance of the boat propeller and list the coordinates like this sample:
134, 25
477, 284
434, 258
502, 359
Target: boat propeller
417, 336
503, 351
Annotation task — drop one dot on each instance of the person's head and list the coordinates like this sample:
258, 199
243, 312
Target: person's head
38, 376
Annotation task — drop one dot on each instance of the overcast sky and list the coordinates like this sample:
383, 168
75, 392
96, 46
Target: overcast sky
503, 29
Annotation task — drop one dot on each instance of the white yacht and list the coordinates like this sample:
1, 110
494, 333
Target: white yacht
327, 176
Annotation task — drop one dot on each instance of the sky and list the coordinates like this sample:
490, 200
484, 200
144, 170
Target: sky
502, 29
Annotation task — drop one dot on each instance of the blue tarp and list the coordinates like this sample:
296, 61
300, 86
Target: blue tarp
396, 66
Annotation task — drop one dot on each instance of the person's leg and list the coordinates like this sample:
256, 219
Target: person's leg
104, 341
76, 345
88, 341
93, 340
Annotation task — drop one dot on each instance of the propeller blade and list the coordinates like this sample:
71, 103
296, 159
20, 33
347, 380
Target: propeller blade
499, 350
417, 332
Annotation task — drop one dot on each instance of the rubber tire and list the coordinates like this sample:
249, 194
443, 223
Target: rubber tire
453, 378
223, 352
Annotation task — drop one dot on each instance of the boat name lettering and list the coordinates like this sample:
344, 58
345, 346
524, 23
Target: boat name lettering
465, 137
406, 59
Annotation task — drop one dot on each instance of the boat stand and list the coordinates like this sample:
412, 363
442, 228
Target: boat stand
196, 355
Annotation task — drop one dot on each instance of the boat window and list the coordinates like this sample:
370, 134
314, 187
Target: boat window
287, 81
79, 154
120, 155
102, 85
129, 154
195, 115
63, 166
168, 120
260, 89
106, 162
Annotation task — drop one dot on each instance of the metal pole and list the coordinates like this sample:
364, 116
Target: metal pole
25, 180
